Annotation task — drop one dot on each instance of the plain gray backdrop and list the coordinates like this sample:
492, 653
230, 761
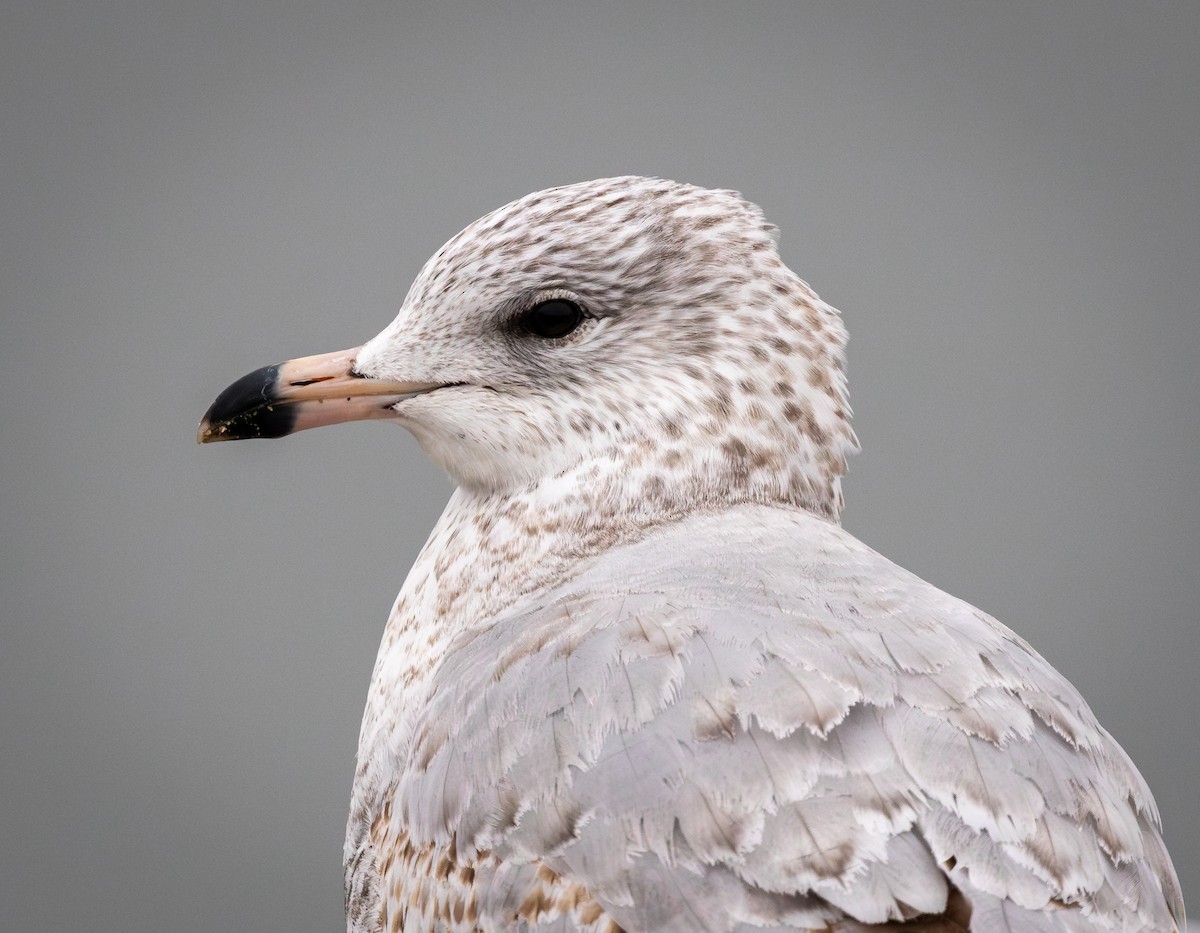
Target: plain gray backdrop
1002, 199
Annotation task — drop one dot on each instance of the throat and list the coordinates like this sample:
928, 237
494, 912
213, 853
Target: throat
491, 550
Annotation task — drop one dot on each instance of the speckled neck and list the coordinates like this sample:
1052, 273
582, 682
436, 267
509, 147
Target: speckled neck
488, 550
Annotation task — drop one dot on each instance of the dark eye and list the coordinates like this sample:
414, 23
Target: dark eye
554, 318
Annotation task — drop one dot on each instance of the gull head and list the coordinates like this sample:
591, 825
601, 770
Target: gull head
636, 322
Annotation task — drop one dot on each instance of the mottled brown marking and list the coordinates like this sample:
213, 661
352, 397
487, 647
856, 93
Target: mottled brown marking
536, 903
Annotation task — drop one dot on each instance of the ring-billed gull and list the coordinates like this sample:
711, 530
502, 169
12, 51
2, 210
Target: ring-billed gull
639, 678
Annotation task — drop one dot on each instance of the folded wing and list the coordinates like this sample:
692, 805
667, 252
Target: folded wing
751, 720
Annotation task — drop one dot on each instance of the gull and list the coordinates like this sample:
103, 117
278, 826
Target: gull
639, 678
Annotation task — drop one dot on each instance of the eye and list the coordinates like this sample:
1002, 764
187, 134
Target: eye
551, 319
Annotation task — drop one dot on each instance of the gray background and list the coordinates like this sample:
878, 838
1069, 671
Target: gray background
1002, 199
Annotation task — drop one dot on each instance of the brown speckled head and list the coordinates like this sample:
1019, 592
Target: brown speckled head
703, 365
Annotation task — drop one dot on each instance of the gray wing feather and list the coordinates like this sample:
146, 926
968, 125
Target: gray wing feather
754, 719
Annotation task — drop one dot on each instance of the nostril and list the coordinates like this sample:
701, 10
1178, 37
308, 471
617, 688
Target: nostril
312, 381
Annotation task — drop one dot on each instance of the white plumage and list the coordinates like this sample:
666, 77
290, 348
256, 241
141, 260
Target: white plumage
640, 678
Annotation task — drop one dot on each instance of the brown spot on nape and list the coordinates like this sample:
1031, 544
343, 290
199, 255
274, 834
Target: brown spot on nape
818, 376
764, 457
736, 449
721, 404
803, 418
653, 487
